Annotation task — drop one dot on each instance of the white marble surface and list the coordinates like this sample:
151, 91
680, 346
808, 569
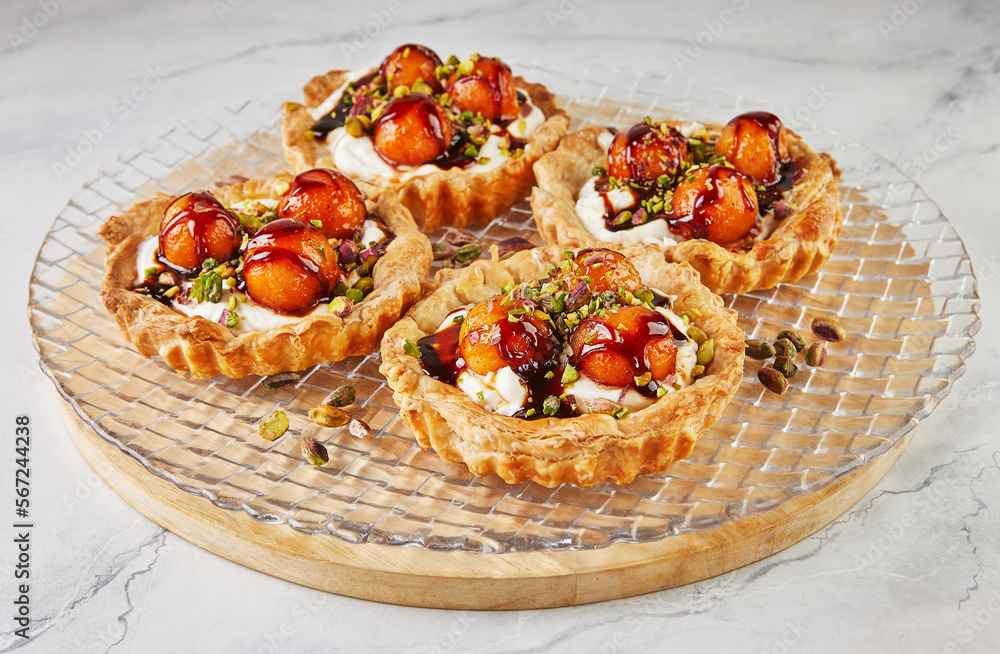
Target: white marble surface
915, 566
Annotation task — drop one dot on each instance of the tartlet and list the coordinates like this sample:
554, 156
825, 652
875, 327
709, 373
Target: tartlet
800, 242
437, 195
204, 347
586, 450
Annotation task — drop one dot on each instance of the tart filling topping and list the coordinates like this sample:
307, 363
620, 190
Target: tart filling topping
264, 262
663, 185
588, 339
414, 115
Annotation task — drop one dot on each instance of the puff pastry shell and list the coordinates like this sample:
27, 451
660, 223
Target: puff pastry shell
205, 348
446, 198
586, 450
797, 247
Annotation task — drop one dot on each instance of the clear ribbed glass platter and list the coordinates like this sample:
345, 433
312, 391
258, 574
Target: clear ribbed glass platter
900, 283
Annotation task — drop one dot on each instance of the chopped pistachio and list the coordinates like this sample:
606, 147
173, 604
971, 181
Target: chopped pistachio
409, 347
569, 375
550, 406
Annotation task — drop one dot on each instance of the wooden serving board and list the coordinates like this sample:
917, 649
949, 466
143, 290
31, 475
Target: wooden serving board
464, 580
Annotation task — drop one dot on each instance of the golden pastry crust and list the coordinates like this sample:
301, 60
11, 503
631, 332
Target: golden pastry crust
205, 348
446, 198
586, 450
797, 247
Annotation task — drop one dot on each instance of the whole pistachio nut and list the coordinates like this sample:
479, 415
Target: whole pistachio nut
785, 366
828, 329
315, 452
509, 246
772, 380
794, 337
816, 354
760, 350
329, 416
785, 348
273, 426
442, 251
272, 382
341, 397
340, 306
458, 237
467, 253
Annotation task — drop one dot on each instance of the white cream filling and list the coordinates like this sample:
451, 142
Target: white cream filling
247, 206
332, 100
502, 392
372, 234
590, 210
357, 157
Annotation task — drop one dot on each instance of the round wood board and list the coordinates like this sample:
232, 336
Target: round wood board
463, 580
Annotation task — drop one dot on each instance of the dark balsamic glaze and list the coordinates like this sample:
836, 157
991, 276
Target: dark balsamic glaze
155, 290
440, 358
766, 121
629, 347
453, 157
198, 213
266, 249
711, 194
439, 354
341, 111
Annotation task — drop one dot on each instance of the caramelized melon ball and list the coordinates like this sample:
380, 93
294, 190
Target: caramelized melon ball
644, 152
409, 64
412, 130
755, 144
289, 266
714, 202
196, 227
488, 90
607, 270
623, 344
327, 196
494, 336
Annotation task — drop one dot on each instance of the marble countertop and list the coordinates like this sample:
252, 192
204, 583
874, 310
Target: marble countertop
915, 566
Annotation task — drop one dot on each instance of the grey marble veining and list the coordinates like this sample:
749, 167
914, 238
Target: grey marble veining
913, 567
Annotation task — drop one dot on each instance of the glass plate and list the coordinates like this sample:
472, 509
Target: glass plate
900, 282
